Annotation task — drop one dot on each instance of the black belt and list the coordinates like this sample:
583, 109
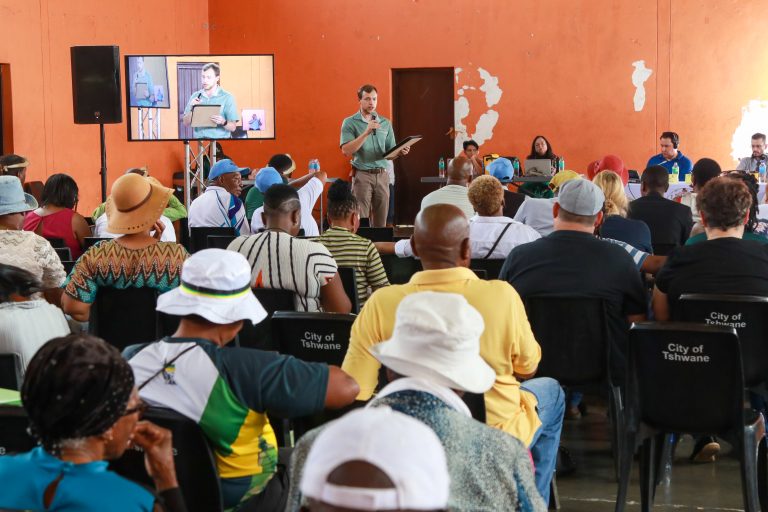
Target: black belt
377, 170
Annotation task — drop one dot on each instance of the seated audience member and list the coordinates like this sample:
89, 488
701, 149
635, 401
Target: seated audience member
370, 454
84, 410
755, 228
26, 323
280, 260
670, 155
265, 178
101, 230
433, 358
220, 205
310, 188
285, 166
455, 190
564, 264
57, 218
173, 212
537, 212
502, 170
441, 240
14, 165
609, 163
542, 149
25, 249
615, 224
347, 248
704, 170
670, 222
471, 151
136, 259
723, 264
229, 391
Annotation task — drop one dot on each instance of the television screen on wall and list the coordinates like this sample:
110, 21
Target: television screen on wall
196, 97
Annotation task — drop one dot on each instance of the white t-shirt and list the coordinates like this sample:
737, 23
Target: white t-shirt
26, 326
308, 196
457, 195
211, 210
100, 229
281, 261
537, 213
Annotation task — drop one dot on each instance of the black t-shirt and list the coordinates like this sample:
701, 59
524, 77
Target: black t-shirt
670, 222
723, 265
575, 264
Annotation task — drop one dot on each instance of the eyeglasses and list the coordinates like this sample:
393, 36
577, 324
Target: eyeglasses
140, 408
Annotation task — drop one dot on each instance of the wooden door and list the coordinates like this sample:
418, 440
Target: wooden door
6, 115
188, 76
422, 104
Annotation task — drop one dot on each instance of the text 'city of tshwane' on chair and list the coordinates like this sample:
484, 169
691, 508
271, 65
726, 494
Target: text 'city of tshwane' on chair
687, 378
195, 465
576, 350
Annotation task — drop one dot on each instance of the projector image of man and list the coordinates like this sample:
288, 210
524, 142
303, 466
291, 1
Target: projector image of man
143, 97
212, 94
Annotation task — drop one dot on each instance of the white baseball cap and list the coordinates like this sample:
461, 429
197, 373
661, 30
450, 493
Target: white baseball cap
437, 337
403, 448
216, 285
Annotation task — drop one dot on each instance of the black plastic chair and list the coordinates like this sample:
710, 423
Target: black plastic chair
686, 377
68, 266
491, 267
14, 437
348, 277
124, 317
90, 241
219, 241
195, 466
576, 350
664, 249
198, 237
10, 371
56, 242
747, 313
400, 270
260, 335
480, 273
63, 253
377, 234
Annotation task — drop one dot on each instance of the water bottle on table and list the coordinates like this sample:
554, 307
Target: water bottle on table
561, 164
314, 165
441, 167
675, 176
761, 172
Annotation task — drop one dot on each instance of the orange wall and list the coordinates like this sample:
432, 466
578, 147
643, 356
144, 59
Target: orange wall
565, 69
36, 36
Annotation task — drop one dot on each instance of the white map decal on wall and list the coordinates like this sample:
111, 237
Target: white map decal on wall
754, 119
483, 131
639, 76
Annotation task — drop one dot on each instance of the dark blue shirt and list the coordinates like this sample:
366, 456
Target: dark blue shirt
683, 162
633, 232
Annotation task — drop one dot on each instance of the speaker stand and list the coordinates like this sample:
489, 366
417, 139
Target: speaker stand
103, 142
205, 147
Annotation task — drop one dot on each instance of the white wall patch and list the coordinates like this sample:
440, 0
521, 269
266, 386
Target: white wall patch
639, 76
483, 130
754, 119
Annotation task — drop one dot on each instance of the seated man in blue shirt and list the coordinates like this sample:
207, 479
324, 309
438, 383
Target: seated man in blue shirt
670, 155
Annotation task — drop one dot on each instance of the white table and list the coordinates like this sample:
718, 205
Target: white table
675, 189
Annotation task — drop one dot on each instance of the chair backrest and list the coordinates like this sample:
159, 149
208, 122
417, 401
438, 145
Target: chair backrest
124, 317
684, 377
68, 266
573, 337
63, 253
663, 249
476, 404
90, 241
480, 273
198, 237
219, 241
377, 234
400, 270
492, 267
260, 335
56, 242
348, 277
10, 371
315, 337
195, 465
14, 437
748, 314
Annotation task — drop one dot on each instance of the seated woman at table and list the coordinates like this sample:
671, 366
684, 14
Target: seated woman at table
541, 149
84, 410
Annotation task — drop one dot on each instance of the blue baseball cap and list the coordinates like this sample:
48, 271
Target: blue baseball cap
267, 177
226, 166
501, 169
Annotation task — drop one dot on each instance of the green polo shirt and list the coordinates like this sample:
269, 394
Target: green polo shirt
228, 111
371, 153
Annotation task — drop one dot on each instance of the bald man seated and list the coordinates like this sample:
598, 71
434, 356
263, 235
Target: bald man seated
455, 191
441, 240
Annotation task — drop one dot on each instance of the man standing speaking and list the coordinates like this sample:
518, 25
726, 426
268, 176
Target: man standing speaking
367, 137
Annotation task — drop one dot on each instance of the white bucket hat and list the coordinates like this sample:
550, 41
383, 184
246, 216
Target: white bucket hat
437, 336
402, 447
216, 285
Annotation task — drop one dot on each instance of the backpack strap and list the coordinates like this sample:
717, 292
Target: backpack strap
497, 241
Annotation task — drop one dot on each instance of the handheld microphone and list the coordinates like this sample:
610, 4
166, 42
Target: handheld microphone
200, 95
373, 118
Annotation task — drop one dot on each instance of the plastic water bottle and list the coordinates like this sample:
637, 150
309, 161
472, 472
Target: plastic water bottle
441, 167
675, 176
561, 164
314, 165
516, 166
761, 172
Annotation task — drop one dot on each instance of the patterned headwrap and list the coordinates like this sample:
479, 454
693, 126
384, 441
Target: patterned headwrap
76, 386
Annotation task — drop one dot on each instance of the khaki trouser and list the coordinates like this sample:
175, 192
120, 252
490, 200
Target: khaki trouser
372, 194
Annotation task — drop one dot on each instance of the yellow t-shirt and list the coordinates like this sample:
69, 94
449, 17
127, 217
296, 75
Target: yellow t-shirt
507, 344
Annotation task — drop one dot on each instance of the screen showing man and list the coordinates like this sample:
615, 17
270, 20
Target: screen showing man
211, 93
142, 86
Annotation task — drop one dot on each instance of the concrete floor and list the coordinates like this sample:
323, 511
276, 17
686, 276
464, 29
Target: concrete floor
592, 487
